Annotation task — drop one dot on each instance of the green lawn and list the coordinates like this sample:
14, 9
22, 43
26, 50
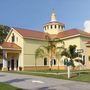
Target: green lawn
84, 75
4, 86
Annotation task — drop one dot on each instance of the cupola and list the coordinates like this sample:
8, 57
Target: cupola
53, 27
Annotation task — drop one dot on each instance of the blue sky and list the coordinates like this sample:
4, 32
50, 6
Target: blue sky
33, 14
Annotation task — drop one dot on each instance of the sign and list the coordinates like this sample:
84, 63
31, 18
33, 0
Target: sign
79, 50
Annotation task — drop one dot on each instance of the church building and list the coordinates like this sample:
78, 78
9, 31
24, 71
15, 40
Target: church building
20, 45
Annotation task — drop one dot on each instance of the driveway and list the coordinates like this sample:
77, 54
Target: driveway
29, 82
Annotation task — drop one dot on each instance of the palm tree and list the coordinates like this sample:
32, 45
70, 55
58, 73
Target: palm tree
70, 53
51, 50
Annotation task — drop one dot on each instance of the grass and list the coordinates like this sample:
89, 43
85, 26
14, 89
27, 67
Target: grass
84, 75
4, 86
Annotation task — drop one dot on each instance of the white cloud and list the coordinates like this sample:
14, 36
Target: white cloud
87, 26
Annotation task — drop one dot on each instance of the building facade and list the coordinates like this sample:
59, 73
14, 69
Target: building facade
20, 45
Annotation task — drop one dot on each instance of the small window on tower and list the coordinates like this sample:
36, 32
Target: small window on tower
89, 58
51, 27
55, 26
62, 27
47, 27
59, 26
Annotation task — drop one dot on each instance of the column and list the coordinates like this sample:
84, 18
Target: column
5, 68
10, 64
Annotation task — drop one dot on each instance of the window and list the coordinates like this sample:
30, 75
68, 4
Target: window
51, 27
83, 61
54, 62
45, 61
62, 27
47, 27
59, 26
55, 26
13, 38
89, 58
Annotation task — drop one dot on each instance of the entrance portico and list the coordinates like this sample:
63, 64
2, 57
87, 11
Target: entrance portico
11, 57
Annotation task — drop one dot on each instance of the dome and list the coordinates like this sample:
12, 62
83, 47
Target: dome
53, 27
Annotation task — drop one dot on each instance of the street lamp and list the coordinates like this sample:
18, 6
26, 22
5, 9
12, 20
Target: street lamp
67, 62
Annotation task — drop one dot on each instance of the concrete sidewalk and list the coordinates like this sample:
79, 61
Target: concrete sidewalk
29, 82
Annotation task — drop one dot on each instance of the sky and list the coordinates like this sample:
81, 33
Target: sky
33, 14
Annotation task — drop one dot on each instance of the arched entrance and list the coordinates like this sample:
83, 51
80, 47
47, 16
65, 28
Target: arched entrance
12, 64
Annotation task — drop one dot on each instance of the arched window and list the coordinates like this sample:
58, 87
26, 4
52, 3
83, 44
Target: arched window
58, 26
51, 27
55, 26
54, 62
83, 62
62, 27
45, 61
47, 27
13, 38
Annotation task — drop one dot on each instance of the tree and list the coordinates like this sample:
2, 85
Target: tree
71, 54
51, 50
3, 32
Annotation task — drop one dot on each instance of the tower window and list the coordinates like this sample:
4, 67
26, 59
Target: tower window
47, 27
59, 26
51, 27
13, 38
17, 39
89, 58
44, 27
55, 26
62, 27
45, 61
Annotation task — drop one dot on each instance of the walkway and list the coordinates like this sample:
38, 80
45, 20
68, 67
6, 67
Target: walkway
29, 82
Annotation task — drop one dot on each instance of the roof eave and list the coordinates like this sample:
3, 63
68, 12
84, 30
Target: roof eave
75, 36
11, 49
34, 38
70, 36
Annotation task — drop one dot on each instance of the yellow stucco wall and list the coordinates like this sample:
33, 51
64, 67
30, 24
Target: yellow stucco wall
30, 47
88, 55
72, 41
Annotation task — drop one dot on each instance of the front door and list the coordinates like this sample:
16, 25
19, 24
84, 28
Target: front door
12, 64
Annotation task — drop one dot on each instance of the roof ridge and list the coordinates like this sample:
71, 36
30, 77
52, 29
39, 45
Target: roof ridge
27, 29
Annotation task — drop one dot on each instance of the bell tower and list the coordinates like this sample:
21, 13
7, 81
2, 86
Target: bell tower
53, 27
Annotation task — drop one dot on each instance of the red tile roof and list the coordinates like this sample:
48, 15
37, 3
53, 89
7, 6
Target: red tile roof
41, 35
8, 45
31, 33
72, 32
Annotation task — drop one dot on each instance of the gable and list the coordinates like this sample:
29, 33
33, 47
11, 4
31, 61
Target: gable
18, 38
12, 31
